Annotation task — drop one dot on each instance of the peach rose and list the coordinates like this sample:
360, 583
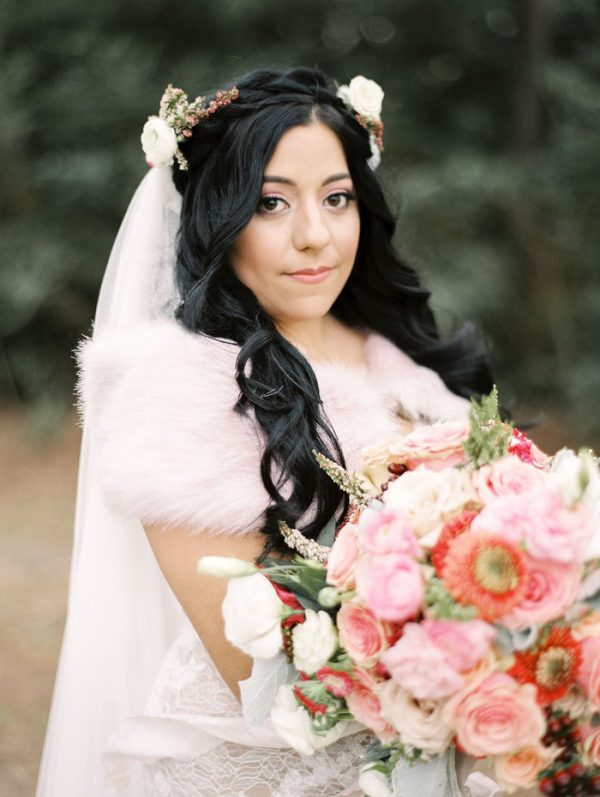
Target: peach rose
418, 722
429, 498
591, 743
507, 476
342, 558
551, 589
519, 770
391, 586
440, 445
588, 674
495, 716
360, 633
366, 708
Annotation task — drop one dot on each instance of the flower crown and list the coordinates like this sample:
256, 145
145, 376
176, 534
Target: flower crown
364, 98
162, 134
177, 117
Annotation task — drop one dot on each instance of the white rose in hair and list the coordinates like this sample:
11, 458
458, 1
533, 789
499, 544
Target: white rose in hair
159, 142
253, 612
365, 96
314, 641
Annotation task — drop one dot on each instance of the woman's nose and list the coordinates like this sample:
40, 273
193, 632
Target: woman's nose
310, 230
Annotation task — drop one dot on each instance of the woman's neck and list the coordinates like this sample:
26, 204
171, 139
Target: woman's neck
325, 338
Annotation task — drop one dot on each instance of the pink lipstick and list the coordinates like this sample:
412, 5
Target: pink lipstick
311, 275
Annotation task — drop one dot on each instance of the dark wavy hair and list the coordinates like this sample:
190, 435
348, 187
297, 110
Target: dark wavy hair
227, 155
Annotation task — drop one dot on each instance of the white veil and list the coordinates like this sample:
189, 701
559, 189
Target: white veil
121, 616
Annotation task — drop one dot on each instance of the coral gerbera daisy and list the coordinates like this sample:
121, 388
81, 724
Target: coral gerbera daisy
551, 667
485, 571
451, 529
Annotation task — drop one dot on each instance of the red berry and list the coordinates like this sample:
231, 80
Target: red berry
547, 786
562, 777
554, 726
577, 770
397, 468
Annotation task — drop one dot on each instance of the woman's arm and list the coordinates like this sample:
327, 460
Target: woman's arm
201, 596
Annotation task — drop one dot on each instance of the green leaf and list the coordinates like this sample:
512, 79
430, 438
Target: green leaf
489, 436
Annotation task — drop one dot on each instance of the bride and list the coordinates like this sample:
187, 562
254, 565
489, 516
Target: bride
253, 309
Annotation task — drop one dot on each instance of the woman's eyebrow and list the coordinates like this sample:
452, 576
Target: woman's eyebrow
271, 178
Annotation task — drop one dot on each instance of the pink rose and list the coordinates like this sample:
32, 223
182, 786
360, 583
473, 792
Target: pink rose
439, 446
519, 770
391, 586
388, 532
429, 657
360, 633
588, 674
366, 708
495, 716
342, 558
539, 519
464, 643
591, 743
551, 589
507, 476
419, 722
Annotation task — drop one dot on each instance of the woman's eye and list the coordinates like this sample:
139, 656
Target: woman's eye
340, 200
269, 204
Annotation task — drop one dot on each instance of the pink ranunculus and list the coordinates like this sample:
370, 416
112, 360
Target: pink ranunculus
361, 633
588, 674
439, 445
388, 532
391, 586
551, 589
507, 476
464, 644
590, 736
540, 521
495, 715
420, 666
366, 708
342, 558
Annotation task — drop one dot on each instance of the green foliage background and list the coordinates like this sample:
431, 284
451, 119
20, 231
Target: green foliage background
492, 115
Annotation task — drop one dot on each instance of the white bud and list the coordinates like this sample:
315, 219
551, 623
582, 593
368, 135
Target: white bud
225, 566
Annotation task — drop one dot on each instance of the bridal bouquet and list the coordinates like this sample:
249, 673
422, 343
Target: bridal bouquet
457, 607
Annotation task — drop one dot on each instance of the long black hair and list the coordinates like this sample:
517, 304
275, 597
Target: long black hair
227, 155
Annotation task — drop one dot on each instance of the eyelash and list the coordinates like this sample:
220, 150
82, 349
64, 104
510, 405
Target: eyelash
348, 196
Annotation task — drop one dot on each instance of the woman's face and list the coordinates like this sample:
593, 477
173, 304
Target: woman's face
297, 251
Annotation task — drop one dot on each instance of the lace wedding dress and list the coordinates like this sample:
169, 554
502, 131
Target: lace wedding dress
158, 400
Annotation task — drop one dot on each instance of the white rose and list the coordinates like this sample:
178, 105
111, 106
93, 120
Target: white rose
253, 612
225, 566
293, 723
374, 783
575, 476
365, 96
315, 641
429, 498
419, 722
159, 142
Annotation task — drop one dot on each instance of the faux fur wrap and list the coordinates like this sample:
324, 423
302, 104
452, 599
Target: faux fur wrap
158, 402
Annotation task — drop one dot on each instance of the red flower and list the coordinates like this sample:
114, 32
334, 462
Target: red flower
311, 705
338, 682
552, 667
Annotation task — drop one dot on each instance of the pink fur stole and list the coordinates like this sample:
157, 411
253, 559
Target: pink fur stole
158, 402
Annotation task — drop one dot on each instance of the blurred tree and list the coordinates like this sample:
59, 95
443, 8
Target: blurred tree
492, 117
